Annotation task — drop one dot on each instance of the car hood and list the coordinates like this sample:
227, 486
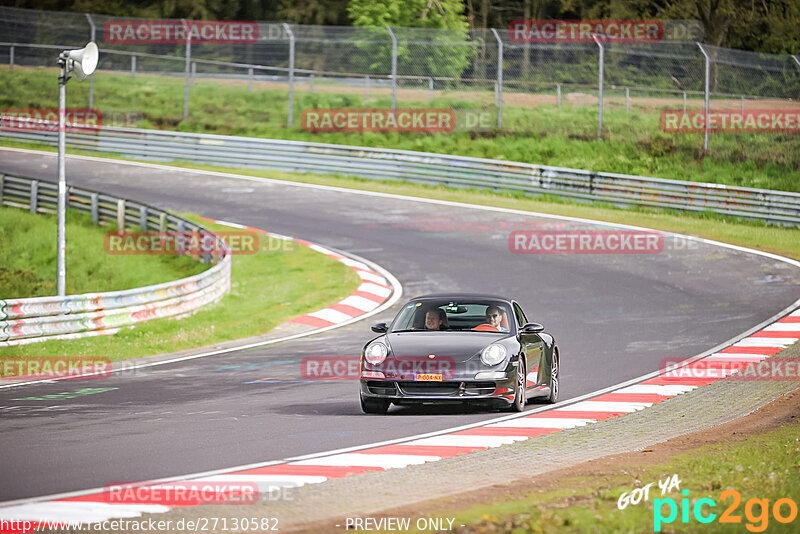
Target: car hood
456, 345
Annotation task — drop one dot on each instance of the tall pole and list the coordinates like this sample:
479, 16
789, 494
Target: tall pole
499, 79
291, 73
394, 68
91, 78
61, 270
187, 74
708, 75
599, 87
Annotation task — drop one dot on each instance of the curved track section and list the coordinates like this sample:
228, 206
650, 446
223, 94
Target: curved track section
615, 316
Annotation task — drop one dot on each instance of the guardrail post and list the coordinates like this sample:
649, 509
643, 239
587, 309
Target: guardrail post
499, 78
311, 83
162, 222
194, 73
706, 90
394, 68
143, 218
91, 77
599, 87
430, 88
250, 80
186, 74
627, 98
289, 32
179, 249
1, 188
10, 59
558, 95
120, 215
94, 209
742, 106
133, 67
366, 88
34, 196
684, 101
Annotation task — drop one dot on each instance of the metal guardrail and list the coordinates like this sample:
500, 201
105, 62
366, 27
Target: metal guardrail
30, 320
439, 169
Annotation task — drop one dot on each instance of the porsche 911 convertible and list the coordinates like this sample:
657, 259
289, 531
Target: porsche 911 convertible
459, 348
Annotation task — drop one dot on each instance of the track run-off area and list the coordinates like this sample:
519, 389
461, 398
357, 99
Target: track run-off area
615, 317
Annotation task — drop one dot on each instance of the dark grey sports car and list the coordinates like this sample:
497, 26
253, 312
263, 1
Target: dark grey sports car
459, 348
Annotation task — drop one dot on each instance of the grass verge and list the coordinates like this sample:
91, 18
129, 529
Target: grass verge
281, 281
28, 258
763, 467
534, 130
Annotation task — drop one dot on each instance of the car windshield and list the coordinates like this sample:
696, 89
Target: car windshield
452, 315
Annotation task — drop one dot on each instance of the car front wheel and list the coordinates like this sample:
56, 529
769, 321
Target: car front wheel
553, 398
519, 394
376, 406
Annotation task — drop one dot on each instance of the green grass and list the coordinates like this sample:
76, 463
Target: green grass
761, 467
633, 142
28, 258
283, 280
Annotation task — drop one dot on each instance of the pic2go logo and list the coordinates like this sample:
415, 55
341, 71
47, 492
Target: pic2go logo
756, 511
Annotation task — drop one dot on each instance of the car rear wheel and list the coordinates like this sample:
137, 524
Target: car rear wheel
553, 398
519, 392
376, 406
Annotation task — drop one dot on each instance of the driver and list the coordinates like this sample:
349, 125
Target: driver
494, 320
435, 319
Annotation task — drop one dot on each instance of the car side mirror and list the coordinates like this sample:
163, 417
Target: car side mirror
380, 328
533, 328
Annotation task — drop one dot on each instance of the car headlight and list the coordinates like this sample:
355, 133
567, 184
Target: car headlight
493, 354
376, 353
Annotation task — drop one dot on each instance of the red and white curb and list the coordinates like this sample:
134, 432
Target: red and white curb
374, 290
635, 395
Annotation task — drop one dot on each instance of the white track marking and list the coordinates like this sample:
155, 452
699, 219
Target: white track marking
386, 461
544, 422
668, 391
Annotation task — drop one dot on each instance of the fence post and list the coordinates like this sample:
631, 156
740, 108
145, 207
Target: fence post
34, 196
250, 80
499, 79
291, 73
194, 73
684, 101
366, 88
742, 106
394, 68
599, 87
91, 77
558, 95
708, 73
188, 64
10, 59
430, 88
133, 67
311, 83
95, 209
143, 218
120, 215
627, 98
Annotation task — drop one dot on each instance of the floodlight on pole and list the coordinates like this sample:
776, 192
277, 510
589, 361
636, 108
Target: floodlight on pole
80, 64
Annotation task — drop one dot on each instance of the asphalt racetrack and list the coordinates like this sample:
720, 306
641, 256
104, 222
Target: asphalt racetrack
615, 316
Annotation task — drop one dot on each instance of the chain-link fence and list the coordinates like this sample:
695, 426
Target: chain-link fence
416, 65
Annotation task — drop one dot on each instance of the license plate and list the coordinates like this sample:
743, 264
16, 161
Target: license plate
429, 377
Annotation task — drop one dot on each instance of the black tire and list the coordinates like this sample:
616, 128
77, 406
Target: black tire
376, 406
519, 390
554, 377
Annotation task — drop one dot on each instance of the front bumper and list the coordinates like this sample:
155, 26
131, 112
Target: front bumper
412, 392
